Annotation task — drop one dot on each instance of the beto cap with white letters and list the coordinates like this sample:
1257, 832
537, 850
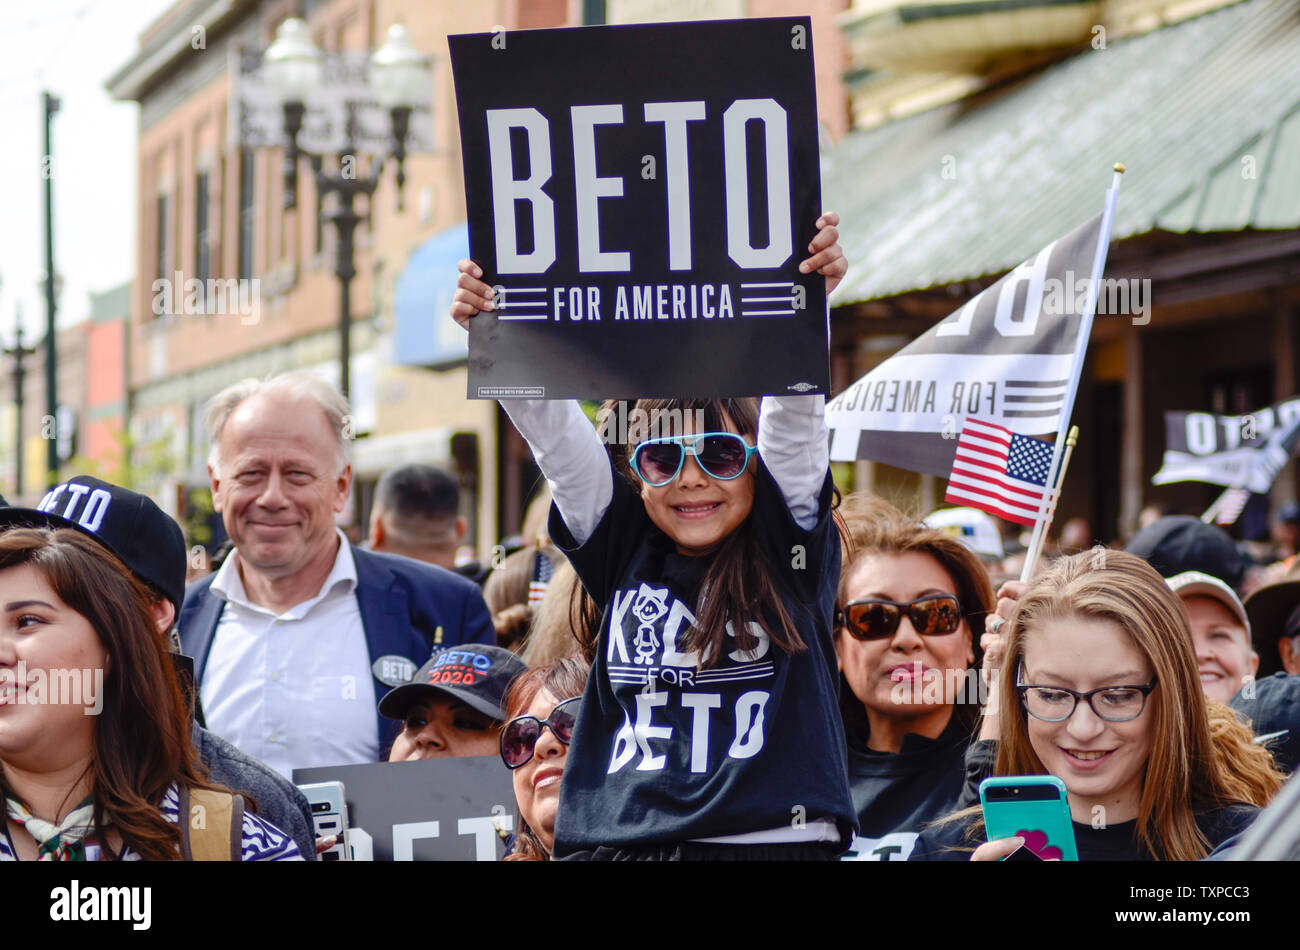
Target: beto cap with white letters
129, 524
477, 675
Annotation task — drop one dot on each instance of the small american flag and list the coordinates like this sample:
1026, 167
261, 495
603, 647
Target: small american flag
999, 471
543, 570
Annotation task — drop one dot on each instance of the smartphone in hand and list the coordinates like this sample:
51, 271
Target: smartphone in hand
329, 813
1033, 807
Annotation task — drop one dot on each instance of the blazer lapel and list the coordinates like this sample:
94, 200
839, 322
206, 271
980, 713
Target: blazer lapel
386, 619
198, 626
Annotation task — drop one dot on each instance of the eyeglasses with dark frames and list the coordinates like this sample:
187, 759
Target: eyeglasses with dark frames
1057, 703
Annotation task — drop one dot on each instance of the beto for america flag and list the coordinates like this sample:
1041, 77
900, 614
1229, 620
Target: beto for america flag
1007, 356
1245, 451
998, 471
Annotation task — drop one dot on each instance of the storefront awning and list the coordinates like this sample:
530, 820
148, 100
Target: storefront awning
425, 333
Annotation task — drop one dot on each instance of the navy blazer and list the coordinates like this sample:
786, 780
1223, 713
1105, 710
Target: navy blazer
407, 608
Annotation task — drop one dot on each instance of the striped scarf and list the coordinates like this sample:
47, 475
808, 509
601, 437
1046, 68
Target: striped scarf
65, 841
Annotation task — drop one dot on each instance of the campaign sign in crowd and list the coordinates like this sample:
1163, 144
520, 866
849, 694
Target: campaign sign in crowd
650, 207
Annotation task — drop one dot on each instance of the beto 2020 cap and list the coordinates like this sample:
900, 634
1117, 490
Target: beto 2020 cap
477, 675
129, 524
1193, 583
1178, 543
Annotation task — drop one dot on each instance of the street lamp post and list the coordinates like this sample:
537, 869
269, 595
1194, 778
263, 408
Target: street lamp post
399, 76
51, 296
19, 353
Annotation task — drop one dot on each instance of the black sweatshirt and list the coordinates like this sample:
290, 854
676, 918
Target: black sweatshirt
897, 794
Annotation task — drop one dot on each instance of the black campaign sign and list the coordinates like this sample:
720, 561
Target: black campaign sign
641, 197
432, 810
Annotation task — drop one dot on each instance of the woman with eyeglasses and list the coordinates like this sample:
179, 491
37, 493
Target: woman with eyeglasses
1103, 692
910, 612
543, 708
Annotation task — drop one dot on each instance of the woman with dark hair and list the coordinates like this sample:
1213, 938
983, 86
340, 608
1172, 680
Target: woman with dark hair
910, 612
1101, 690
95, 754
535, 743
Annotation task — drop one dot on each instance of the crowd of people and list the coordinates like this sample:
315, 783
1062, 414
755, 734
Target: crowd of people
701, 652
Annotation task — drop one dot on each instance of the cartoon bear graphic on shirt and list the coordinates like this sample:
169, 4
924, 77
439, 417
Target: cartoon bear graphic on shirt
649, 606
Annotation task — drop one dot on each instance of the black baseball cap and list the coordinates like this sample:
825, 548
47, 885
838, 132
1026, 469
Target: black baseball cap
1178, 543
1272, 704
144, 537
477, 675
1273, 610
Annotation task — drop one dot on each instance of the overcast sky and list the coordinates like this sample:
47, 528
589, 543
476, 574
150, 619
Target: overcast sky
69, 47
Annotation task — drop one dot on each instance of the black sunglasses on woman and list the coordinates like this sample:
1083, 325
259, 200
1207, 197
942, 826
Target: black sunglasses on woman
520, 735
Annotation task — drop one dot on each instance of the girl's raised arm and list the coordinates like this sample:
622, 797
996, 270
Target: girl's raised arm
792, 435
795, 446
563, 441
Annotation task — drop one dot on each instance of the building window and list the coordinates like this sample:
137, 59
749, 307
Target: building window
217, 228
162, 263
320, 220
247, 213
202, 232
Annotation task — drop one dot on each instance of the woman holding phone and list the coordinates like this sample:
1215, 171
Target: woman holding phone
1101, 690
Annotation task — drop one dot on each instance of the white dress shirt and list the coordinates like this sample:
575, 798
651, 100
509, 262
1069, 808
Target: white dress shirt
292, 689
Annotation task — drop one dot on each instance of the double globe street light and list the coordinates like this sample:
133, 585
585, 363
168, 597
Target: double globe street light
400, 77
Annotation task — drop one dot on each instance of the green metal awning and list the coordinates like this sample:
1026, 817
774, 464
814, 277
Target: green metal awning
1205, 114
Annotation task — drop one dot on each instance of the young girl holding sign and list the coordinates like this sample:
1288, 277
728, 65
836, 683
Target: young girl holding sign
709, 727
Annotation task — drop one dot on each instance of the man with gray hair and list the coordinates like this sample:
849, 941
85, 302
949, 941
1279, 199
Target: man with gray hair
288, 632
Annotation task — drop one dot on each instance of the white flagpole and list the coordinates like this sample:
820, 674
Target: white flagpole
1040, 537
1080, 350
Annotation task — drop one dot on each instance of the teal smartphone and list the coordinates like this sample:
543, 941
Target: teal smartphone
1033, 807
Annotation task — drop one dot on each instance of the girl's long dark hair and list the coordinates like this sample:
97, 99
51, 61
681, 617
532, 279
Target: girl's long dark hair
739, 586
142, 734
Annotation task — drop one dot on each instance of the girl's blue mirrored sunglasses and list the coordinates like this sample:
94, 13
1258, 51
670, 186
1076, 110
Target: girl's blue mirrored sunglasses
721, 455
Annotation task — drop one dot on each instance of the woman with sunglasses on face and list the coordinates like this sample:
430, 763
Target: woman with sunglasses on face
708, 729
1103, 692
911, 608
543, 707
